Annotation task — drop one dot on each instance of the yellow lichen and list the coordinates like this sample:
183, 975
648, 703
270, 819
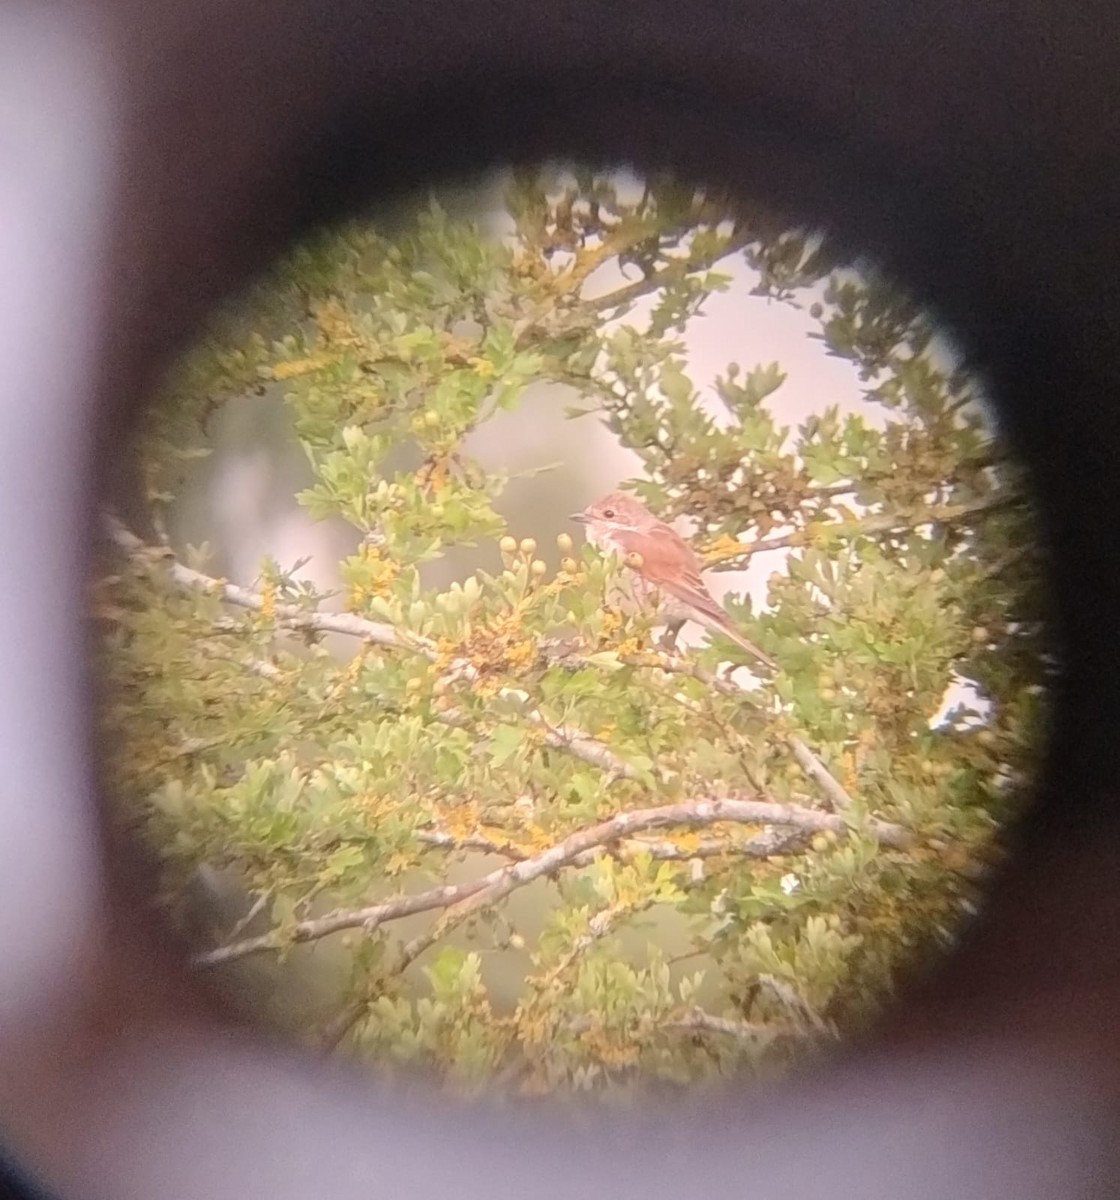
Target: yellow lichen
723, 547
521, 655
297, 367
336, 328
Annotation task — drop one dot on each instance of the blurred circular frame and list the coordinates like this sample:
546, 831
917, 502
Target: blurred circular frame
215, 187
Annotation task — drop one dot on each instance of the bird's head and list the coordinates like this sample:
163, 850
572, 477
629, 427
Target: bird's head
616, 513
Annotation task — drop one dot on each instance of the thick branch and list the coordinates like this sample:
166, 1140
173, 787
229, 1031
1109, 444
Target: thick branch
699, 1021
461, 900
286, 614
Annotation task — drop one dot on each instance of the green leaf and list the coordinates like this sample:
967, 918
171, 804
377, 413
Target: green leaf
504, 743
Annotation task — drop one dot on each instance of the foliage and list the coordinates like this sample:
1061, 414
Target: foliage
469, 739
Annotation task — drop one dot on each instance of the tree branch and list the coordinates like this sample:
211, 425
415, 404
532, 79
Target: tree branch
804, 1014
807, 760
698, 1020
559, 737
600, 924
476, 842
876, 524
286, 614
816, 770
462, 900
656, 280
760, 846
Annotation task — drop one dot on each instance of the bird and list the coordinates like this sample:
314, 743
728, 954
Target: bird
665, 570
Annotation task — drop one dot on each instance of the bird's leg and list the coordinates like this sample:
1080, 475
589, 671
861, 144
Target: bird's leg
668, 641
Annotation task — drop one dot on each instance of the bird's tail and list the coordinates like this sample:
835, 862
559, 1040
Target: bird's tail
730, 631
700, 605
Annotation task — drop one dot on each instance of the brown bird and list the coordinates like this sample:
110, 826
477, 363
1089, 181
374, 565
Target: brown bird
664, 568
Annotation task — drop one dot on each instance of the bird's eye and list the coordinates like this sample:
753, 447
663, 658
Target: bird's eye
608, 513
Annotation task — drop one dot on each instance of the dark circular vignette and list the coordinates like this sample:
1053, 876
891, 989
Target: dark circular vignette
924, 231
18, 1185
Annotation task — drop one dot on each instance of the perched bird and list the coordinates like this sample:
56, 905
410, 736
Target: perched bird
665, 570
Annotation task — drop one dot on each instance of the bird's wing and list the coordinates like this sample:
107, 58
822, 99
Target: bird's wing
671, 565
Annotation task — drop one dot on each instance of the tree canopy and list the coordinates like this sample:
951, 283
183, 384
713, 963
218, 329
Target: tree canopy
389, 771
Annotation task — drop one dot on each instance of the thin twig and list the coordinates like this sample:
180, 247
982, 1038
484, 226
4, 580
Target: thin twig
816, 770
656, 280
876, 524
809, 762
761, 846
804, 1014
483, 845
600, 924
257, 908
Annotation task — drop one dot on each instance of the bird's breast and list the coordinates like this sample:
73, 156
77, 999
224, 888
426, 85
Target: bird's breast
606, 540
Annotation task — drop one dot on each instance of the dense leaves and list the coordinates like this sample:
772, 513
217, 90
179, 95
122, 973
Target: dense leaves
418, 790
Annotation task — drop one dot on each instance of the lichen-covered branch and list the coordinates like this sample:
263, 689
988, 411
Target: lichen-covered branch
876, 524
459, 901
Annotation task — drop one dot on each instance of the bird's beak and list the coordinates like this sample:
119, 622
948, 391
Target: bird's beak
580, 518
